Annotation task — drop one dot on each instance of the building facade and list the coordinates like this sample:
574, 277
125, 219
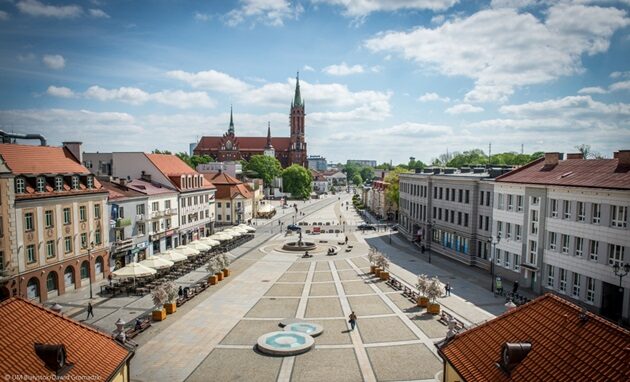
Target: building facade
362, 162
54, 233
317, 163
234, 200
288, 150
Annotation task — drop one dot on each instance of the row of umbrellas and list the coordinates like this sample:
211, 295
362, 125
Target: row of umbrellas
152, 264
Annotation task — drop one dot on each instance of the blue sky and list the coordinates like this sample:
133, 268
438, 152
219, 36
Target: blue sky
382, 79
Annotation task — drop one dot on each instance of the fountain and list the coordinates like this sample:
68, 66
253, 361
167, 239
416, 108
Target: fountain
285, 343
299, 245
309, 328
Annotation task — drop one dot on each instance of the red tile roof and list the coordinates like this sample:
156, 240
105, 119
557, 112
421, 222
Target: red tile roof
227, 186
564, 347
172, 167
118, 191
149, 188
35, 160
23, 323
245, 143
592, 173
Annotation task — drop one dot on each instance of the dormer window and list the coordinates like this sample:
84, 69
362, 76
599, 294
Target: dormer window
75, 182
90, 181
58, 183
183, 181
20, 185
40, 184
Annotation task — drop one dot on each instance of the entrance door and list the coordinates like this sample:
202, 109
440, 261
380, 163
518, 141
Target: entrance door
612, 301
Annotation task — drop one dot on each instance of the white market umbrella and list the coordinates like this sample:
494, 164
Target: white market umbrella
232, 233
248, 228
221, 237
134, 270
199, 246
186, 251
156, 262
173, 256
210, 242
240, 230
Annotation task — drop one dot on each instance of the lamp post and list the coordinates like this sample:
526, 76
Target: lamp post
430, 239
90, 247
390, 235
621, 271
493, 247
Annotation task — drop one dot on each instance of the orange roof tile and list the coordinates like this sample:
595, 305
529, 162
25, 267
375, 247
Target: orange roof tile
23, 323
28, 159
227, 186
173, 167
564, 347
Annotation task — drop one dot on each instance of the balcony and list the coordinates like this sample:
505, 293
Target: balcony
122, 244
122, 223
140, 217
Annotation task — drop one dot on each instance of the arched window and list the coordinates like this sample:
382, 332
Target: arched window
68, 276
85, 270
51, 282
98, 265
32, 289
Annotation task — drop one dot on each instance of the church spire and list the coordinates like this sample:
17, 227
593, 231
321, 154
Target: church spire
231, 128
297, 101
269, 145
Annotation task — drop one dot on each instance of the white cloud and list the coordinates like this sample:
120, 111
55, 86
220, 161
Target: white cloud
502, 49
592, 90
616, 75
569, 108
4, 16
268, 12
361, 8
54, 61
36, 8
343, 69
428, 97
210, 80
60, 91
98, 13
438, 19
308, 68
622, 85
513, 3
202, 16
463, 108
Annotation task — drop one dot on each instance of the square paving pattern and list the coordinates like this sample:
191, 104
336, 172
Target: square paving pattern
368, 305
323, 289
299, 277
342, 265
340, 365
236, 365
322, 276
323, 307
322, 266
384, 329
350, 274
246, 332
357, 287
335, 332
299, 267
430, 325
274, 308
403, 363
288, 290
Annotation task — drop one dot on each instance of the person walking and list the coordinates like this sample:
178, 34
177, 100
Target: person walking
90, 311
109, 278
515, 287
447, 289
346, 240
352, 319
180, 292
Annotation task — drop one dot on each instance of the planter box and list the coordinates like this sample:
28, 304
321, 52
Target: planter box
170, 308
159, 315
226, 272
372, 268
213, 280
433, 308
219, 276
377, 272
423, 302
384, 275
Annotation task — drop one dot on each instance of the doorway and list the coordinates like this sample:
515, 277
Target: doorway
612, 301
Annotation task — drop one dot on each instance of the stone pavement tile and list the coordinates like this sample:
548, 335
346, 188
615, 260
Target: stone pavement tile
288, 290
144, 303
357, 287
342, 265
349, 275
303, 267
360, 262
236, 365
368, 305
322, 266
293, 277
119, 301
404, 303
108, 323
384, 329
326, 365
404, 362
323, 307
323, 289
430, 325
98, 314
274, 308
322, 276
382, 285
335, 332
246, 332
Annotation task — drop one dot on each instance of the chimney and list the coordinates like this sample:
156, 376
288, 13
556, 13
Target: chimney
551, 159
575, 156
623, 158
75, 149
146, 177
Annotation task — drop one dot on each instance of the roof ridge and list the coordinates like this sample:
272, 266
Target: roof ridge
519, 169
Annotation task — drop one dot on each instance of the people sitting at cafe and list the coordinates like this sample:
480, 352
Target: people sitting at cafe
180, 292
138, 326
186, 292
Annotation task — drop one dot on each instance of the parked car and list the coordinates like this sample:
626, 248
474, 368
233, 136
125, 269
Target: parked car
293, 227
366, 227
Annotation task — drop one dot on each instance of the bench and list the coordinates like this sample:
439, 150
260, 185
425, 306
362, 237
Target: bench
445, 318
145, 323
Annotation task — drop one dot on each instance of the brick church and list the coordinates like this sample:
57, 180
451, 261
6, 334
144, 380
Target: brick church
288, 150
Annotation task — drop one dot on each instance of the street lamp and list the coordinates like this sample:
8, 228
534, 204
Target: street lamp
493, 247
90, 247
430, 238
390, 235
621, 271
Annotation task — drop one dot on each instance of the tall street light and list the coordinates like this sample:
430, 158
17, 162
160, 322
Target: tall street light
621, 271
493, 247
430, 238
90, 247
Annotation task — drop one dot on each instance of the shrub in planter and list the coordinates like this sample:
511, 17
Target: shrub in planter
224, 263
434, 290
159, 297
171, 297
213, 268
383, 263
422, 285
372, 255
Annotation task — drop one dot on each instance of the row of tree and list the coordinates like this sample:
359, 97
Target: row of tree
190, 160
296, 179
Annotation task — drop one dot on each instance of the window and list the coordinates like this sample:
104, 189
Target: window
50, 249
66, 216
576, 285
48, 217
553, 240
597, 213
566, 208
533, 250
183, 219
68, 244
467, 196
75, 182
140, 209
480, 221
58, 183
498, 256
488, 198
141, 230
535, 200
227, 205
619, 216
219, 205
481, 198
565, 243
581, 212
452, 216
228, 218
30, 254
20, 185
506, 260
593, 248
500, 201
517, 262
508, 231
97, 211
155, 206
519, 203
465, 220
590, 289
510, 202
155, 227
196, 200
28, 221
500, 228
183, 202
487, 223
563, 280
517, 232
121, 212
84, 242
441, 189
97, 236
579, 246
435, 192
82, 214
615, 254
90, 181
40, 184
168, 223
460, 195
551, 276
459, 218
554, 208
219, 217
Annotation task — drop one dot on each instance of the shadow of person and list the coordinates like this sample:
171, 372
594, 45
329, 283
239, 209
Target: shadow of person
346, 331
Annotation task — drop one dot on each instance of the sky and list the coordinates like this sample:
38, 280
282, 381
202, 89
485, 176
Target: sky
382, 79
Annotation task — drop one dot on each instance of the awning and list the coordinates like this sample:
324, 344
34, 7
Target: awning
134, 270
156, 262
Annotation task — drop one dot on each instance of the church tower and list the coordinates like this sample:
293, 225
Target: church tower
269, 150
298, 143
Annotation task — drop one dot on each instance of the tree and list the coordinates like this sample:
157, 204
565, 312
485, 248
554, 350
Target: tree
298, 181
157, 151
367, 173
357, 180
350, 169
392, 195
265, 167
